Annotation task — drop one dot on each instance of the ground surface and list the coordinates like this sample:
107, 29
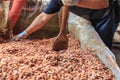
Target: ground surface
35, 60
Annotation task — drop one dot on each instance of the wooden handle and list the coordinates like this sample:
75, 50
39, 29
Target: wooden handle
65, 14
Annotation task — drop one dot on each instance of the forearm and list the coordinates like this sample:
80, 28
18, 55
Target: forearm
39, 22
15, 12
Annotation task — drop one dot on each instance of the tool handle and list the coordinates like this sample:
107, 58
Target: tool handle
65, 14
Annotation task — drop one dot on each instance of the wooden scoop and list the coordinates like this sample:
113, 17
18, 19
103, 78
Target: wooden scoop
61, 41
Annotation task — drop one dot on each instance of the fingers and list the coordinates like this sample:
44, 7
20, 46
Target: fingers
19, 36
10, 35
16, 38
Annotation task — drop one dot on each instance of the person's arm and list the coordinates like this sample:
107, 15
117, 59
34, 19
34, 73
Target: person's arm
40, 20
38, 23
14, 14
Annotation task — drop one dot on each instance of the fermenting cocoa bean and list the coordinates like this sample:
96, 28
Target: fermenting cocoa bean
34, 59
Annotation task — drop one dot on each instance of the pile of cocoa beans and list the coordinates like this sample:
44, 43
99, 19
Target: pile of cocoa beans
35, 60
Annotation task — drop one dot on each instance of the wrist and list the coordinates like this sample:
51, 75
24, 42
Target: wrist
23, 34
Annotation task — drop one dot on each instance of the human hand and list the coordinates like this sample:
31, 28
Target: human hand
70, 2
19, 36
9, 34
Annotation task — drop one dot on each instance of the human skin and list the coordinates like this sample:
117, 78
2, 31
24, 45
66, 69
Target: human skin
14, 14
18, 4
93, 4
43, 18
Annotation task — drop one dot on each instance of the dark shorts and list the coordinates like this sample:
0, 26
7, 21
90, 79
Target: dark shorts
53, 7
103, 20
